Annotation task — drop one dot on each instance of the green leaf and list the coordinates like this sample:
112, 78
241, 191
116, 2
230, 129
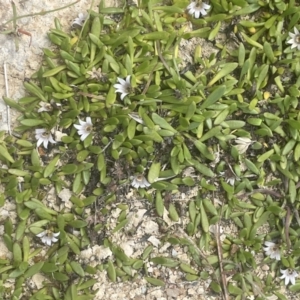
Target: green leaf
17, 172
210, 133
120, 225
165, 261
234, 289
4, 153
214, 97
78, 223
265, 155
60, 276
204, 219
34, 269
82, 155
77, 268
227, 69
262, 75
204, 150
131, 129
154, 171
159, 204
14, 104
32, 122
54, 71
187, 269
154, 281
158, 120
203, 169
51, 166
69, 169
111, 271
17, 253
173, 213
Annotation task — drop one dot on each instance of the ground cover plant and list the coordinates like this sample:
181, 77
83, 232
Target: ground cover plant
115, 115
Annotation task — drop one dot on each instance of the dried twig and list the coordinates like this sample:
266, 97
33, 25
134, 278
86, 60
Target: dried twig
161, 57
20, 30
220, 256
7, 107
286, 227
15, 17
41, 13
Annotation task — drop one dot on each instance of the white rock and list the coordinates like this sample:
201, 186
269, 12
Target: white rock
65, 194
128, 247
154, 241
38, 280
150, 227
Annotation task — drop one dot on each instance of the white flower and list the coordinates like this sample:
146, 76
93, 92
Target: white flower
80, 19
198, 8
289, 276
231, 180
139, 181
45, 106
242, 144
43, 136
295, 39
48, 237
272, 250
123, 87
85, 128
136, 117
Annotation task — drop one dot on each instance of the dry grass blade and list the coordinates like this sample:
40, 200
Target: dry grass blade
41, 13
220, 256
7, 107
287, 226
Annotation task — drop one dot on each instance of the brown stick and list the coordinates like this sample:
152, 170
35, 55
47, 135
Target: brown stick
25, 32
220, 256
161, 57
286, 228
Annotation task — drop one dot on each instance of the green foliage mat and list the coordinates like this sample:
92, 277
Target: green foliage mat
226, 125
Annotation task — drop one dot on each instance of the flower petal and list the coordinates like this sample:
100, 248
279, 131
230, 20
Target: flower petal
41, 234
46, 143
122, 81
39, 142
89, 120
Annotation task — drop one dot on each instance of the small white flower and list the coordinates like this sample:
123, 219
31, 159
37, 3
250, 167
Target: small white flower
139, 181
80, 19
198, 8
43, 136
136, 117
45, 106
231, 180
48, 237
85, 128
289, 276
272, 250
123, 87
294, 39
242, 144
